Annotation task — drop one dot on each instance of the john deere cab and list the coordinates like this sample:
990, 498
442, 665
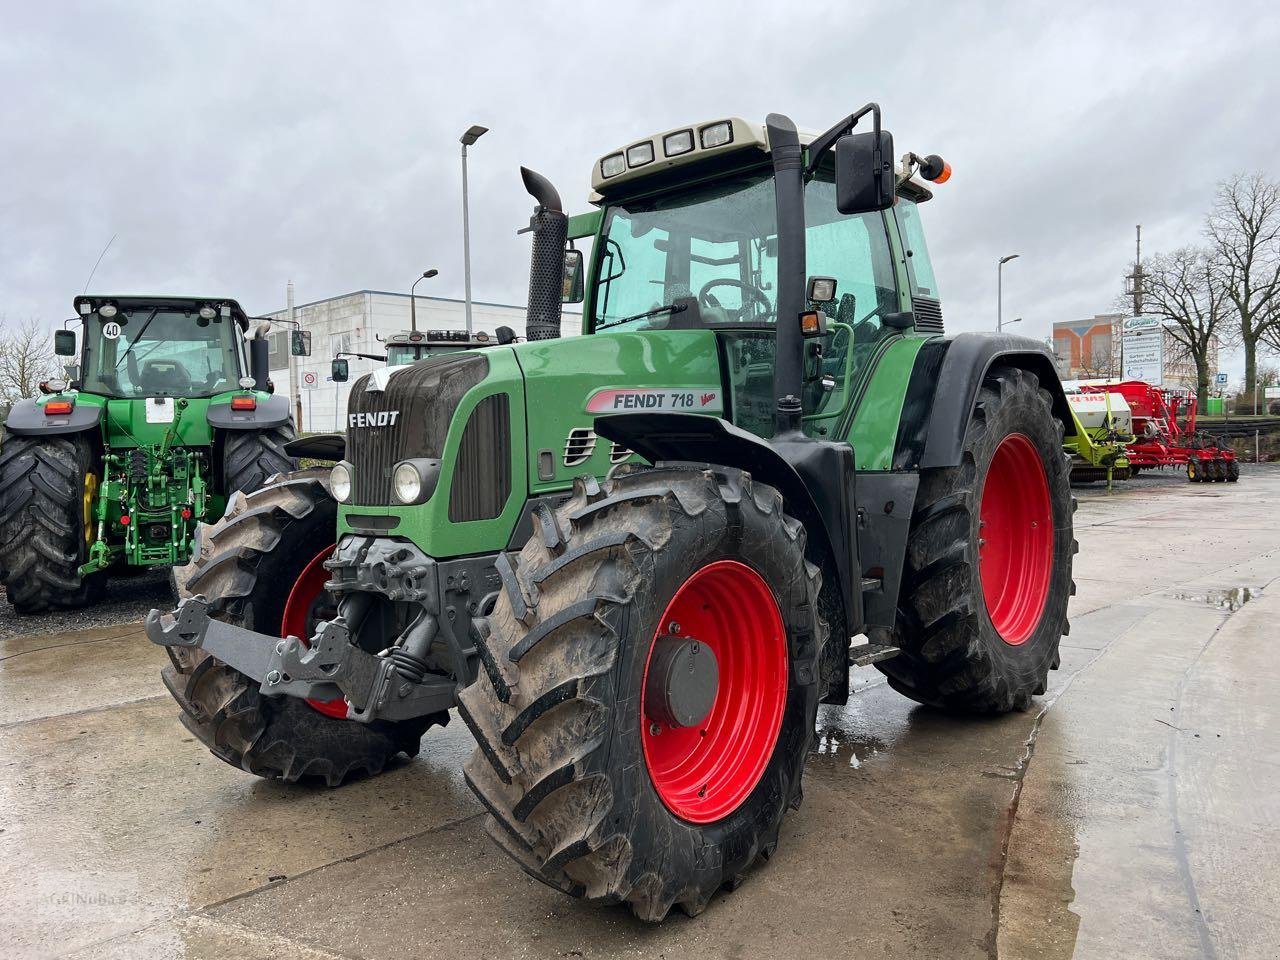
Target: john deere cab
635, 561
167, 413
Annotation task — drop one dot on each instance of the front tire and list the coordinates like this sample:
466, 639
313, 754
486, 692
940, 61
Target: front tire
48, 485
583, 791
261, 567
987, 576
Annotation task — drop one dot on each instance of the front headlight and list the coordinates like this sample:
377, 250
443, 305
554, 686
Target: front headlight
407, 483
340, 482
414, 481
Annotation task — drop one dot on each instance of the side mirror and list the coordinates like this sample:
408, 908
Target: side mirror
64, 343
573, 289
300, 343
865, 180
340, 371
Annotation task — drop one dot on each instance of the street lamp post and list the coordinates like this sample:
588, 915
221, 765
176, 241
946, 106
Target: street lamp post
473, 134
413, 299
1000, 289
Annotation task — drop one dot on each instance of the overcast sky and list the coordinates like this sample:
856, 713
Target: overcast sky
231, 147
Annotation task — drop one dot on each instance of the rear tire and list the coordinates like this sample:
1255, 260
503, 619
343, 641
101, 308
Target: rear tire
565, 760
246, 564
45, 524
972, 641
1194, 473
1233, 471
251, 457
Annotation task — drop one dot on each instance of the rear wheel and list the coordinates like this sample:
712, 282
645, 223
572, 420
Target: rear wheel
987, 575
1194, 473
251, 457
1233, 471
649, 688
48, 488
262, 567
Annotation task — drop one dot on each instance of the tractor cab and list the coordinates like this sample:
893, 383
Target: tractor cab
409, 346
138, 347
687, 239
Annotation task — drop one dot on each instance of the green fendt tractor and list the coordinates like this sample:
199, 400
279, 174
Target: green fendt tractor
410, 346
167, 414
636, 560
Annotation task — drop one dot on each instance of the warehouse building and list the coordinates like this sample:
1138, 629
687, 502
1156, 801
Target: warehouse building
358, 323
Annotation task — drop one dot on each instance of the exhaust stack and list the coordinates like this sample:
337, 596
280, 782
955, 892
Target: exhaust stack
550, 228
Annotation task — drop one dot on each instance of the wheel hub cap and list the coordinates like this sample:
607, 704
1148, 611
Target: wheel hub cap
683, 680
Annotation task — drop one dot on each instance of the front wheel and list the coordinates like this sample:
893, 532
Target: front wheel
262, 567
649, 688
987, 576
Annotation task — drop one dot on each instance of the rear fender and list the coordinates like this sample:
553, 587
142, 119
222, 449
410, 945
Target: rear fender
27, 419
270, 411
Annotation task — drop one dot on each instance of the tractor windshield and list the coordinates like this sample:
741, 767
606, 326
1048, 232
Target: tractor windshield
149, 352
707, 257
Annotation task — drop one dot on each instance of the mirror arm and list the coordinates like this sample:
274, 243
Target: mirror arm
822, 144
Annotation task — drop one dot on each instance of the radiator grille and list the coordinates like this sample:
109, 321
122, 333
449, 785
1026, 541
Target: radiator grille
423, 398
928, 313
618, 453
482, 476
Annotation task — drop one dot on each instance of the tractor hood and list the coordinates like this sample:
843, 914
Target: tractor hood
504, 426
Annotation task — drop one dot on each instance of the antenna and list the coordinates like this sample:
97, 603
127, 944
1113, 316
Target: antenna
98, 261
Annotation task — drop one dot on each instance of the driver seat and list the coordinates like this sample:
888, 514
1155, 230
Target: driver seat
164, 376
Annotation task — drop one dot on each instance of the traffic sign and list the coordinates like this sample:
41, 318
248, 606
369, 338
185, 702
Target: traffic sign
1222, 378
309, 380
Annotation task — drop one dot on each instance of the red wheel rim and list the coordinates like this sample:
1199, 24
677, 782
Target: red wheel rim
705, 772
306, 598
1015, 550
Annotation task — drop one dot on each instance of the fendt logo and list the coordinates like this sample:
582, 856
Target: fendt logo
383, 418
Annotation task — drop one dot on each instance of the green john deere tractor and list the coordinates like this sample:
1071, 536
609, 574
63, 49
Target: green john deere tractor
636, 560
168, 413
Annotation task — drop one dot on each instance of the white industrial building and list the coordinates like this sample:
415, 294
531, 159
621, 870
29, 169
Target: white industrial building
355, 322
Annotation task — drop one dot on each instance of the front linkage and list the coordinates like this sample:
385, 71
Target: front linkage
399, 683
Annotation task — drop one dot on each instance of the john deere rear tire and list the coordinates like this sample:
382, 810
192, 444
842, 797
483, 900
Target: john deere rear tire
261, 567
47, 486
592, 787
987, 575
251, 457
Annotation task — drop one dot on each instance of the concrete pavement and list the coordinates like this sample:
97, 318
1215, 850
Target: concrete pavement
1132, 812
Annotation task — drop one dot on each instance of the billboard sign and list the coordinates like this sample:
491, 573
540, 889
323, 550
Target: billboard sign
1144, 352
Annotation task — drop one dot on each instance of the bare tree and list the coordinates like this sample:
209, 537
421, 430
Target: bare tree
26, 358
1188, 289
1244, 230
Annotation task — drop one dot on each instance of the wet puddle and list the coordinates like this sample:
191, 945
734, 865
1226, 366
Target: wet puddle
1229, 600
836, 743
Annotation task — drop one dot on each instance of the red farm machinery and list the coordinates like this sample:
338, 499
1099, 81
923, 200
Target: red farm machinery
1165, 435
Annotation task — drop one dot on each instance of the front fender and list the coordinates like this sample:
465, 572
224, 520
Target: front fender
27, 419
795, 467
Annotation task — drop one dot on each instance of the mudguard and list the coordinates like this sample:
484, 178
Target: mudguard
796, 468
270, 412
968, 359
27, 419
323, 446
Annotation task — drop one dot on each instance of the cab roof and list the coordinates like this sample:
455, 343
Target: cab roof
95, 300
730, 139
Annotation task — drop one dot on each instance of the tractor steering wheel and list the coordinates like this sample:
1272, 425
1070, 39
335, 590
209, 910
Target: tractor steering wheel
750, 292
